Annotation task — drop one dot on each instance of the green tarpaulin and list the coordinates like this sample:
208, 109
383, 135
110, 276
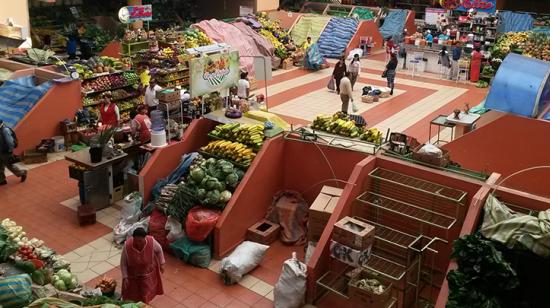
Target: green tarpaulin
308, 26
363, 13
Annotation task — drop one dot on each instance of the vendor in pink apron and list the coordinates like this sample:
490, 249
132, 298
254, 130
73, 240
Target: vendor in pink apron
141, 263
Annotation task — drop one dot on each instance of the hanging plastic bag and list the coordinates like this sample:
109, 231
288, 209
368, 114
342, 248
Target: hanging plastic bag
354, 107
200, 222
331, 85
290, 290
175, 229
131, 207
242, 260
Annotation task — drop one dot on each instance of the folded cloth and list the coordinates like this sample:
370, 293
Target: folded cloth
513, 229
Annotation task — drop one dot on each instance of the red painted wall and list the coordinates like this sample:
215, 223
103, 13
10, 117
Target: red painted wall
113, 49
42, 121
366, 28
409, 23
506, 145
165, 160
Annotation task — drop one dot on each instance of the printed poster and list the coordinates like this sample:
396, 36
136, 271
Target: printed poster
214, 73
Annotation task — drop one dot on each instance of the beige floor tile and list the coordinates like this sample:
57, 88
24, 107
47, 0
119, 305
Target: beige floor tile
86, 276
248, 281
101, 244
215, 266
110, 211
79, 267
114, 260
85, 250
72, 257
262, 288
71, 203
270, 296
99, 256
102, 267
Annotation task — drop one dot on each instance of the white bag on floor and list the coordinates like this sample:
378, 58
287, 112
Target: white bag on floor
131, 207
175, 229
290, 290
124, 229
242, 260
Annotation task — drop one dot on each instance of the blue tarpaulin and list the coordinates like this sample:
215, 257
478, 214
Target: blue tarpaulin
336, 36
521, 86
313, 59
394, 24
514, 22
17, 97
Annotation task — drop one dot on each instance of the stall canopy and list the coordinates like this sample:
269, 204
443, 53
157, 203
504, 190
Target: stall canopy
515, 22
521, 86
394, 24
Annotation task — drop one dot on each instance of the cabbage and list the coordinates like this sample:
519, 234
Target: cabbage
201, 193
232, 179
225, 196
212, 197
60, 285
73, 283
212, 183
226, 166
197, 175
240, 174
64, 275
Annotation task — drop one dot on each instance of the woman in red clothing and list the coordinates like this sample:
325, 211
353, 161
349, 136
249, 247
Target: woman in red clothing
141, 124
141, 263
109, 113
475, 64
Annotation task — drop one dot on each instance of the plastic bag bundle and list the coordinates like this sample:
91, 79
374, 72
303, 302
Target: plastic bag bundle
242, 260
200, 222
290, 290
131, 207
124, 229
174, 228
197, 254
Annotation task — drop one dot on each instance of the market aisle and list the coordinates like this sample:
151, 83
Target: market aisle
35, 205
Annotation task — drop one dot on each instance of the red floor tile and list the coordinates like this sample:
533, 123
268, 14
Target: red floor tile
237, 304
194, 301
243, 294
163, 302
209, 305
263, 303
222, 300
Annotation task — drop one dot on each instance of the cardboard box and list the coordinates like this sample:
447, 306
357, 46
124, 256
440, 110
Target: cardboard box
263, 232
320, 211
366, 297
168, 95
353, 233
348, 255
287, 64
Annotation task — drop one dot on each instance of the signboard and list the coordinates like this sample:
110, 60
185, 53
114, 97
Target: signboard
482, 6
245, 11
432, 15
130, 14
214, 73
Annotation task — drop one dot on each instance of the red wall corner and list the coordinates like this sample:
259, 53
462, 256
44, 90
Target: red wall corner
409, 23
366, 28
113, 49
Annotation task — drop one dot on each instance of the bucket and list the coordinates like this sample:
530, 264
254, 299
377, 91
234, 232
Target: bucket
158, 138
59, 144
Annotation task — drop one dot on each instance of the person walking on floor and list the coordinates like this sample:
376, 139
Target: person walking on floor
346, 92
390, 72
444, 61
141, 264
339, 71
457, 53
8, 143
354, 70
151, 95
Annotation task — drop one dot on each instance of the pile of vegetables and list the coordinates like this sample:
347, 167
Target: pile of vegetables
195, 38
63, 280
538, 46
107, 285
482, 84
210, 183
272, 30
530, 44
509, 42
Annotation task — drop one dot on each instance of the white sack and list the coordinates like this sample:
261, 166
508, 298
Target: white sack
242, 260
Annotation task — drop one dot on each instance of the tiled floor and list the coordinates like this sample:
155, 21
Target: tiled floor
45, 204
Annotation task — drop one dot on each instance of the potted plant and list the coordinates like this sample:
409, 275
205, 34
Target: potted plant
98, 143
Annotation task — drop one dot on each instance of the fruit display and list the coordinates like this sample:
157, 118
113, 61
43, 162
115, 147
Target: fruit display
195, 38
166, 53
337, 124
96, 65
107, 82
372, 135
234, 151
248, 134
530, 44
508, 42
172, 77
538, 46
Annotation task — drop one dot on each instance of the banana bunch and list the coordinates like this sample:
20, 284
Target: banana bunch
234, 151
372, 135
336, 125
167, 52
248, 134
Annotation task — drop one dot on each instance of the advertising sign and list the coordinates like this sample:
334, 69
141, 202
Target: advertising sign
214, 73
130, 14
432, 15
484, 6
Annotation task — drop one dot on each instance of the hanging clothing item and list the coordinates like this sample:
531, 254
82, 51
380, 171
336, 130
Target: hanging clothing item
141, 270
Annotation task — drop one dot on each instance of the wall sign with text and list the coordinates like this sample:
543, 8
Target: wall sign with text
485, 6
130, 14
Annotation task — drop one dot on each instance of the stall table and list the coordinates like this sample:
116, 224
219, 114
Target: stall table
464, 123
96, 182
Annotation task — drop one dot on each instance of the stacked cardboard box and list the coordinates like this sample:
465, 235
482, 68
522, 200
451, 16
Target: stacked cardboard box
320, 211
352, 241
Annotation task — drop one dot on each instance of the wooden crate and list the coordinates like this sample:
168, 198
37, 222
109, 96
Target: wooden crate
365, 297
263, 232
34, 157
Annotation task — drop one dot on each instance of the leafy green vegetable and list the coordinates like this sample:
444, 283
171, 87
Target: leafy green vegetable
232, 179
197, 175
212, 183
7, 246
60, 285
212, 198
225, 196
483, 275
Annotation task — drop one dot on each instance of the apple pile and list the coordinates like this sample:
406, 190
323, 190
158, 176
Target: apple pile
108, 82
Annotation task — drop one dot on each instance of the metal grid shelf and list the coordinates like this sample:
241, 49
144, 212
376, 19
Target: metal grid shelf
407, 210
386, 267
335, 283
441, 191
307, 134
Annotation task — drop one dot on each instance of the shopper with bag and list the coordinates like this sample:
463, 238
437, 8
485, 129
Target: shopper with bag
8, 143
354, 69
346, 93
339, 71
141, 264
389, 73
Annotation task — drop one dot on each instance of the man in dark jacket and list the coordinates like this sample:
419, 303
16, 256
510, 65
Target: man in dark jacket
457, 53
7, 145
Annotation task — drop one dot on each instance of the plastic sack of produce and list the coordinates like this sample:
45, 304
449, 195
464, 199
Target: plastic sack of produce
15, 291
175, 229
290, 290
242, 260
290, 210
131, 207
197, 254
200, 222
430, 149
157, 223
